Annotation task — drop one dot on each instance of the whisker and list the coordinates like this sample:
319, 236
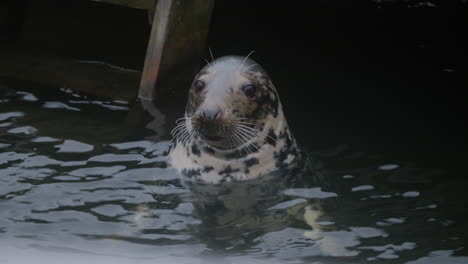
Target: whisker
239, 121
245, 132
232, 141
242, 120
229, 136
246, 123
212, 57
270, 137
248, 55
239, 143
242, 139
252, 132
247, 126
239, 138
246, 69
176, 132
187, 135
181, 124
242, 142
178, 127
247, 136
192, 133
179, 136
181, 132
183, 118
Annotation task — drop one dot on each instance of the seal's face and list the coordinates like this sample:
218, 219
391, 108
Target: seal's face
229, 102
234, 128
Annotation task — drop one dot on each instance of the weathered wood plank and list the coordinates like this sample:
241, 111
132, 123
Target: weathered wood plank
177, 39
139, 4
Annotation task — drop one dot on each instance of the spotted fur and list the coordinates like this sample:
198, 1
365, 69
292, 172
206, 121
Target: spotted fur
272, 148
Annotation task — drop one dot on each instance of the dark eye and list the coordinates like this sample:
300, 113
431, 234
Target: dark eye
249, 91
199, 85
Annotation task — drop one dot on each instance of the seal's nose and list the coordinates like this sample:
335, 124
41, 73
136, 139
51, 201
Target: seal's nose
209, 122
210, 114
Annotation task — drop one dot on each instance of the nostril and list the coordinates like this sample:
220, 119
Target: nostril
216, 114
210, 114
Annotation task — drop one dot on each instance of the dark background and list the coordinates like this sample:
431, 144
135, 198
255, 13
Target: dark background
384, 77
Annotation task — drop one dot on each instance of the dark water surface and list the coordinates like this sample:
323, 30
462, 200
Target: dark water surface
80, 184
373, 92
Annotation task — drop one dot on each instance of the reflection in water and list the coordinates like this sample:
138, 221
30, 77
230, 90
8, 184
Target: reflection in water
92, 187
234, 215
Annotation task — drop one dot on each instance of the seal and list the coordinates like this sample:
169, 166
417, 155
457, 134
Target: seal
234, 128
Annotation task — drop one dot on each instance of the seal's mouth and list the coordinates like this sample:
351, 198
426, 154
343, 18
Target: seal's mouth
213, 138
225, 134
216, 140
211, 131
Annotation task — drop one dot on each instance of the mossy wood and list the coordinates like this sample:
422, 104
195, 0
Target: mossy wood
177, 40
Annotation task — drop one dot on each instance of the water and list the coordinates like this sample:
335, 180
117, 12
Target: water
80, 183
371, 90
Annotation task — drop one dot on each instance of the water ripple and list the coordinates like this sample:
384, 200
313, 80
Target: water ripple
62, 193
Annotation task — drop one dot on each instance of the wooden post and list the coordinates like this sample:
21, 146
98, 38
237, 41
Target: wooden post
177, 39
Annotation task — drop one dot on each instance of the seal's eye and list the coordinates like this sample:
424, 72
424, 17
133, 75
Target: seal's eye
249, 91
199, 85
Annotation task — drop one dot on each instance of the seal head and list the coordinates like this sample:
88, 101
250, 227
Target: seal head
234, 128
